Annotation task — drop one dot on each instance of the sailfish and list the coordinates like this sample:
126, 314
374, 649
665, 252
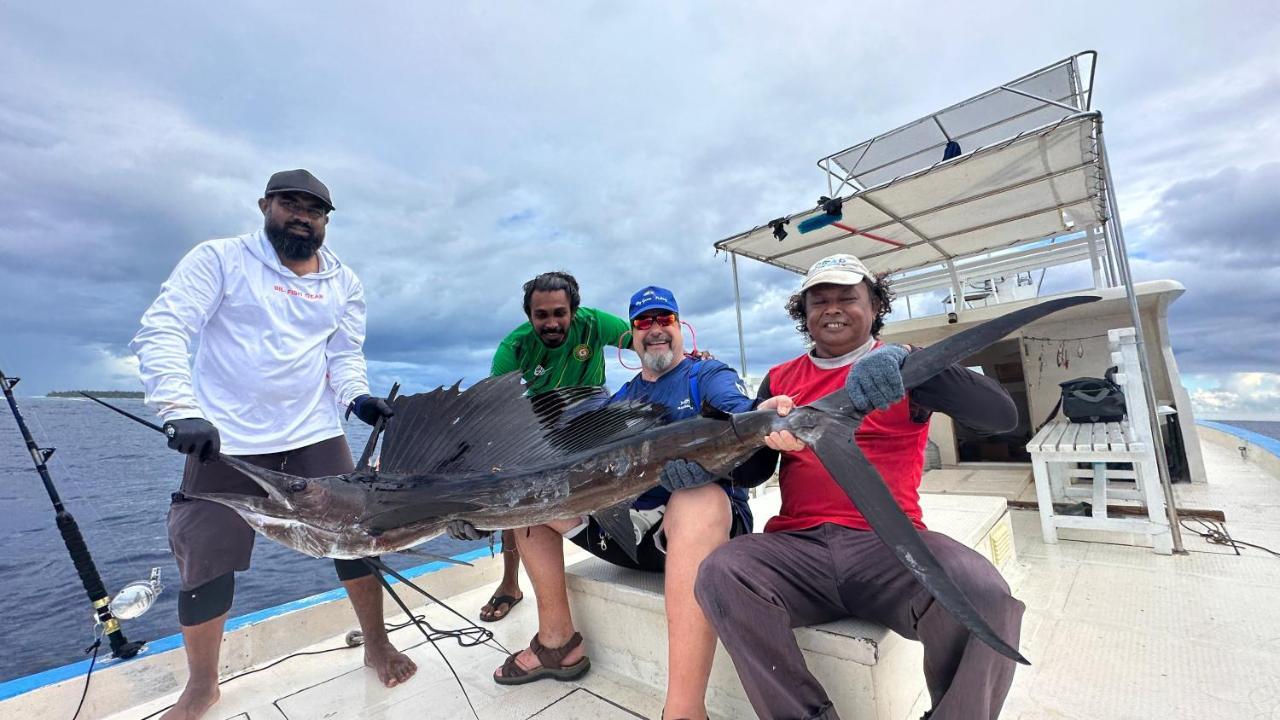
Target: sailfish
493, 457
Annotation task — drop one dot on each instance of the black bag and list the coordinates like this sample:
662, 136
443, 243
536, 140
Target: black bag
1091, 400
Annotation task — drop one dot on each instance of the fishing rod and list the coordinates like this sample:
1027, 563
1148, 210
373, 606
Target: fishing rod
364, 457
121, 647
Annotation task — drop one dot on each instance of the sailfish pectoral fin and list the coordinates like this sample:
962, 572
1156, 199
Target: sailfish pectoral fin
616, 523
864, 486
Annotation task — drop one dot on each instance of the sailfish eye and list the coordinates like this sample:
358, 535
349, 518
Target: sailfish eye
298, 485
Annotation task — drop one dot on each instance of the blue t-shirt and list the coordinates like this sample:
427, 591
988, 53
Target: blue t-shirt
718, 385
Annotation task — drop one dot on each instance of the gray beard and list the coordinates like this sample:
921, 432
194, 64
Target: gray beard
657, 361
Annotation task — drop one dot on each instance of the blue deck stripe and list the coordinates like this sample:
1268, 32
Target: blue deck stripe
1269, 444
26, 684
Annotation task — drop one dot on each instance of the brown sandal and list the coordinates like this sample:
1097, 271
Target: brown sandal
551, 660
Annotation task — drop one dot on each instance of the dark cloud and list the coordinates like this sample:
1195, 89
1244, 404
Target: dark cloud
1225, 323
616, 142
1218, 236
1227, 218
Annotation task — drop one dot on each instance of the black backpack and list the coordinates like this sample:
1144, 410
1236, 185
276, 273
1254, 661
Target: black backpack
1089, 399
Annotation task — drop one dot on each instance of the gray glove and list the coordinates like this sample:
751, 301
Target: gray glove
875, 382
679, 474
463, 530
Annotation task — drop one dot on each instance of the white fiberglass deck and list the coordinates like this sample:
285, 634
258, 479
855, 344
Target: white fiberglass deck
1114, 631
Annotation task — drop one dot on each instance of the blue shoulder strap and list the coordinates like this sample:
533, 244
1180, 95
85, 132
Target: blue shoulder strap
695, 393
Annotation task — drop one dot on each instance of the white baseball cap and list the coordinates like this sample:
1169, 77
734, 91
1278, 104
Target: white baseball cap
842, 269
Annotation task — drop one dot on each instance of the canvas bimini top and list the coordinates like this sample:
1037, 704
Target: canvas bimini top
1011, 166
1013, 178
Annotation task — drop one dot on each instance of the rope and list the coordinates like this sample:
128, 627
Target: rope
476, 634
97, 643
377, 566
1216, 533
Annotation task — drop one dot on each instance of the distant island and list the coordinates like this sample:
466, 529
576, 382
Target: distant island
97, 393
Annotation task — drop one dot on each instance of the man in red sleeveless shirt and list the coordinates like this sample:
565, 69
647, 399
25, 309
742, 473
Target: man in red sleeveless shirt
817, 560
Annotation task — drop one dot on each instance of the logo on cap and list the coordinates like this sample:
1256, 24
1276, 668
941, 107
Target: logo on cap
825, 263
652, 298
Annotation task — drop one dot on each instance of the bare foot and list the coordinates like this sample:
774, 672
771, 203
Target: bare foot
194, 702
393, 667
503, 599
527, 661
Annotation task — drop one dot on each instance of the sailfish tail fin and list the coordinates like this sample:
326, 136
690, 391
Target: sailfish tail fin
862, 483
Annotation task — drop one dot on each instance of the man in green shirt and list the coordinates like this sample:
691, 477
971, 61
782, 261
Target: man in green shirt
560, 346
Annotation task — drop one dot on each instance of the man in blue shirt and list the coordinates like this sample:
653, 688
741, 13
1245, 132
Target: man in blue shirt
679, 523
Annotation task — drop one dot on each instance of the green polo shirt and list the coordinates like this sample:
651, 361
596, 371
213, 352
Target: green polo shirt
579, 360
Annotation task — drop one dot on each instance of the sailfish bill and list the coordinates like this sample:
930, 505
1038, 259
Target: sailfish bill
924, 364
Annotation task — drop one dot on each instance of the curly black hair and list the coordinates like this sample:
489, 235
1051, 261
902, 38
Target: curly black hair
550, 282
881, 296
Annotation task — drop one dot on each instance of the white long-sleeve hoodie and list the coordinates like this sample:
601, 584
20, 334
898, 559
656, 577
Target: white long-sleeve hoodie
277, 357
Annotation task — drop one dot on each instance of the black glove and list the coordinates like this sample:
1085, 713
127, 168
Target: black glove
679, 474
369, 409
463, 530
194, 436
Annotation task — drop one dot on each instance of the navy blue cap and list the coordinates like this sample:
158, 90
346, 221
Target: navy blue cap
652, 298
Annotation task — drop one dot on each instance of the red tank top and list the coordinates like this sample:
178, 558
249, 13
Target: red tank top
890, 439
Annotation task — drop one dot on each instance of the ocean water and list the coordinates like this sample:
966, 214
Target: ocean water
115, 477
1269, 428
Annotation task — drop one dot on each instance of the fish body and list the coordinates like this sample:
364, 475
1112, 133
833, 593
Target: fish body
368, 513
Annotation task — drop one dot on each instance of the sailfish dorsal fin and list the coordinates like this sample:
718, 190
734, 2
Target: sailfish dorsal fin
493, 426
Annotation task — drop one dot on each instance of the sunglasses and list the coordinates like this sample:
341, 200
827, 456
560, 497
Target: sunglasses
644, 323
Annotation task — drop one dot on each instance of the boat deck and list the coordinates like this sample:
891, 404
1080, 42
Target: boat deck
337, 685
1114, 631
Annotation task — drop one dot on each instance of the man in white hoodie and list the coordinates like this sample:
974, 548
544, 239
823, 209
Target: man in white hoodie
280, 323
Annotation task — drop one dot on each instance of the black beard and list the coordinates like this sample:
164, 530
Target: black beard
290, 246
553, 343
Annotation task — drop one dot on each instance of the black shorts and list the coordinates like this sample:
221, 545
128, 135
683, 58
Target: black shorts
649, 556
210, 540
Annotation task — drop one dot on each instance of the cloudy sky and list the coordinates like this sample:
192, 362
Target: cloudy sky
470, 146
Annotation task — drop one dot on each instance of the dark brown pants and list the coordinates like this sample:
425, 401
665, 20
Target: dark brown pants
756, 588
210, 540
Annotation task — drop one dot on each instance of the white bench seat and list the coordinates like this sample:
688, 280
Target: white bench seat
1060, 446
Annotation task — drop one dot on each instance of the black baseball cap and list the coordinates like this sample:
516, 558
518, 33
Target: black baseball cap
298, 181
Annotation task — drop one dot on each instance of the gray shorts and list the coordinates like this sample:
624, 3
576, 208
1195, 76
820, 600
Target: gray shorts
651, 550
210, 540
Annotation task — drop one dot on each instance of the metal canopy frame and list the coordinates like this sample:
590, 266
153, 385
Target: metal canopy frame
1054, 86
1036, 186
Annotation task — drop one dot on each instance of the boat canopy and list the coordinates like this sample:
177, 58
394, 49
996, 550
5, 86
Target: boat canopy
1012, 178
1009, 167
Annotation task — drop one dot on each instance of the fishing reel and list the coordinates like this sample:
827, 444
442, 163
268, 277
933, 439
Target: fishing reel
137, 597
